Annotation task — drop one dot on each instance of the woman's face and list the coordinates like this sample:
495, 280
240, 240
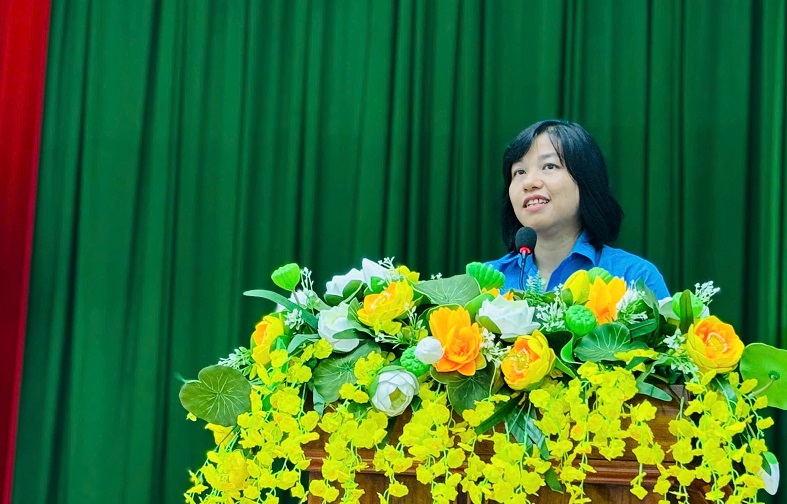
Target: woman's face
543, 194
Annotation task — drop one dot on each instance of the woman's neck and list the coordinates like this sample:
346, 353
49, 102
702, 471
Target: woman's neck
550, 252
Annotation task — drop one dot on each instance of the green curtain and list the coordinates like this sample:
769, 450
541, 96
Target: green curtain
191, 146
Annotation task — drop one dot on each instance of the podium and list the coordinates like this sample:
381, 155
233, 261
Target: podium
610, 482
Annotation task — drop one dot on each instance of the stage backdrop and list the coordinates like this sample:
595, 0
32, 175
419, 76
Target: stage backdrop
191, 146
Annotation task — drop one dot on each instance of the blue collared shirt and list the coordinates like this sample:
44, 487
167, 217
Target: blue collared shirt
585, 256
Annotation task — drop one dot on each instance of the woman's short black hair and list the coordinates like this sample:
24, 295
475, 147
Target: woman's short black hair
600, 213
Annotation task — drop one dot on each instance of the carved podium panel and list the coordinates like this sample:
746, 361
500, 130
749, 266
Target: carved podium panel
610, 483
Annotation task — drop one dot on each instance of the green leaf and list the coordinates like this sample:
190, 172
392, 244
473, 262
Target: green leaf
686, 312
603, 342
652, 391
300, 339
499, 415
474, 304
218, 396
551, 478
463, 394
333, 372
516, 425
535, 435
644, 328
567, 353
459, 289
564, 368
768, 365
279, 299
347, 334
317, 400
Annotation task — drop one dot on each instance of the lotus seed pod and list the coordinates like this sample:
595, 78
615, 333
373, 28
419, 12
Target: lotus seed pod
580, 320
287, 276
487, 276
599, 272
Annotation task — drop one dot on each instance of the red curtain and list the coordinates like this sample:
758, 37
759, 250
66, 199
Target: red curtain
24, 25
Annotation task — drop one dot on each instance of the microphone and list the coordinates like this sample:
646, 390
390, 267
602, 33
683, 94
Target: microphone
525, 242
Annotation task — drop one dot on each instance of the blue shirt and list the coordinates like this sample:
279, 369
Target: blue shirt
585, 256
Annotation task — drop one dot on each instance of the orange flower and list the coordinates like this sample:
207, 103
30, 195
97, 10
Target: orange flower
603, 298
713, 345
528, 362
460, 339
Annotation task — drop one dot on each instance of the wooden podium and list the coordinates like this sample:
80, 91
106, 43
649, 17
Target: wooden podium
610, 482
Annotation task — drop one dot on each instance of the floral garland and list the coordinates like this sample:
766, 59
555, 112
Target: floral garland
546, 377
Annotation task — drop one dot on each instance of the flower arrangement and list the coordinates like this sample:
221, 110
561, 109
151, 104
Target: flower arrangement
545, 377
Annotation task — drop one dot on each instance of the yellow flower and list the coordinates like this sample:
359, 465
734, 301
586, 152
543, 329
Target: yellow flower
380, 310
221, 434
397, 489
528, 361
461, 341
266, 331
410, 276
603, 298
630, 355
713, 345
229, 474
579, 285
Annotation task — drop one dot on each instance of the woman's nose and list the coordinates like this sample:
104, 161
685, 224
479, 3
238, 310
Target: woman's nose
532, 180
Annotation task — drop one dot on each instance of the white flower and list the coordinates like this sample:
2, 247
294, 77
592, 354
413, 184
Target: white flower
392, 391
333, 321
339, 282
513, 318
429, 350
770, 478
371, 270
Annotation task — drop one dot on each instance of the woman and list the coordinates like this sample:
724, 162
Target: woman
556, 183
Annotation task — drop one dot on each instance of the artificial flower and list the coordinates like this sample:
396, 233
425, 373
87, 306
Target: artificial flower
340, 282
461, 341
393, 390
603, 298
429, 350
373, 270
579, 286
512, 318
528, 361
265, 332
380, 310
713, 345
334, 321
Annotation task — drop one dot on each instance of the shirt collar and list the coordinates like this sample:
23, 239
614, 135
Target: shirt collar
584, 248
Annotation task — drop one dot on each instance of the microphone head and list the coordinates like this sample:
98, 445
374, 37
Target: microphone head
525, 239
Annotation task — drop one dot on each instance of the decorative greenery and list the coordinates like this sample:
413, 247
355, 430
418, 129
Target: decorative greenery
546, 377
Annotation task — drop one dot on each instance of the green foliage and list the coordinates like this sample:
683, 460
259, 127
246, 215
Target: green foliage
459, 289
464, 391
767, 365
333, 372
218, 396
279, 299
604, 342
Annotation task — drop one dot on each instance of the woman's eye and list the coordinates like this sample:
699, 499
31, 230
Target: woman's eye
550, 166
519, 171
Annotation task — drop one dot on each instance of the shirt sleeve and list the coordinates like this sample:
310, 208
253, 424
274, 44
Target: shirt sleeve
651, 276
